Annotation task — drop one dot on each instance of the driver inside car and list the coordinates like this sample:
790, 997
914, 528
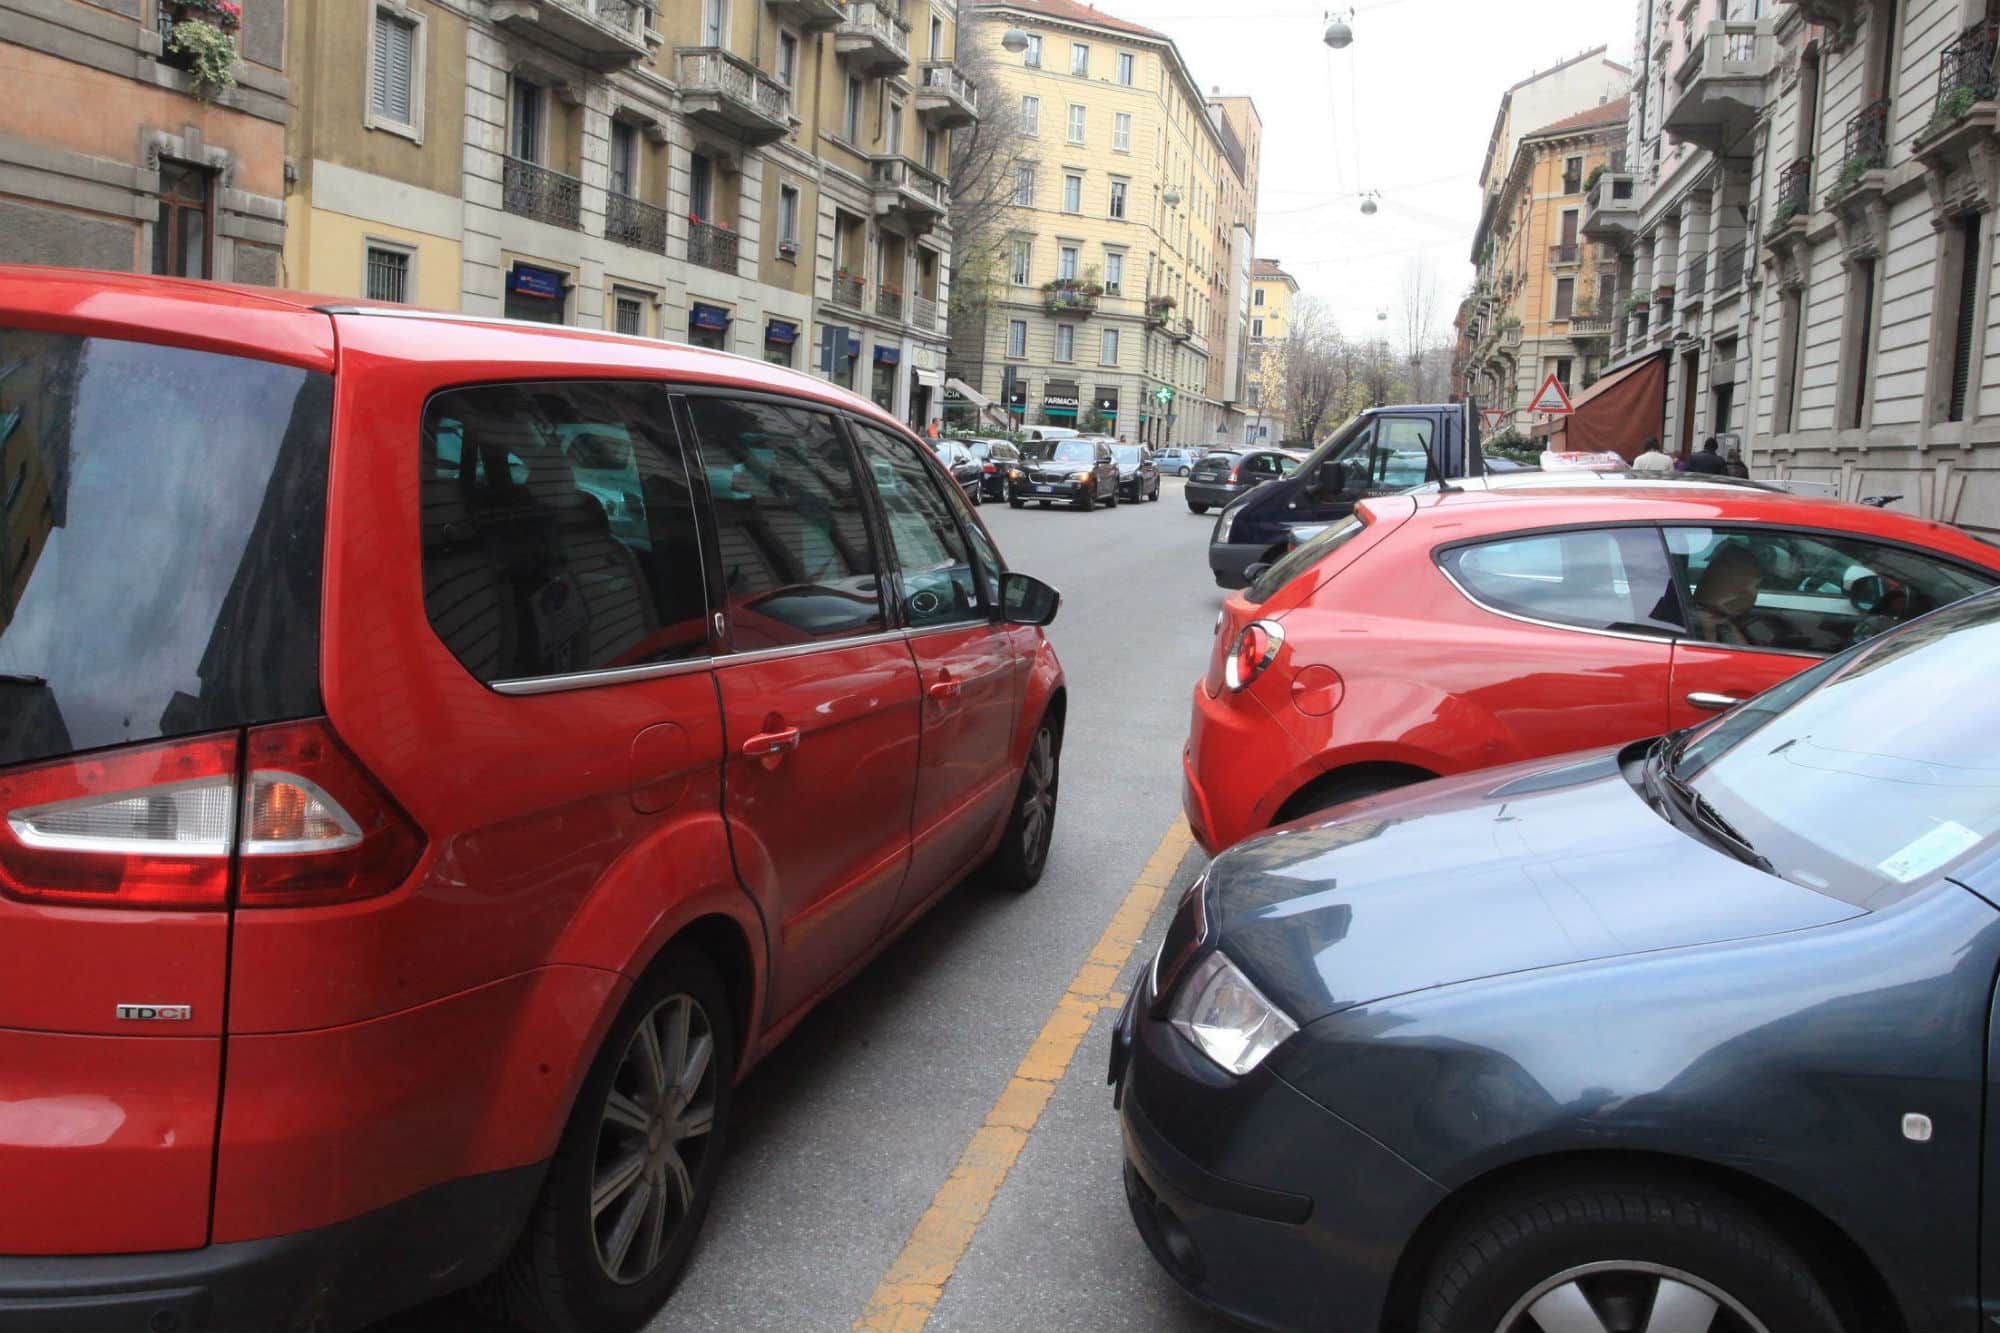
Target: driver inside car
1726, 595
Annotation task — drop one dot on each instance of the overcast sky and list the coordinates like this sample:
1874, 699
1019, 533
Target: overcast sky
1405, 110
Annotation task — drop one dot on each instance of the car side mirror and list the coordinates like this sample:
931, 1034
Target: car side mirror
1256, 571
1026, 600
1330, 478
1867, 593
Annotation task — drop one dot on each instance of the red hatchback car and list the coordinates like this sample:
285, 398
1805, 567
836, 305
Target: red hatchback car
437, 758
1439, 633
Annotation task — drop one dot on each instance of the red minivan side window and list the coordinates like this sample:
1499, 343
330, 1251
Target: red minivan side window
559, 534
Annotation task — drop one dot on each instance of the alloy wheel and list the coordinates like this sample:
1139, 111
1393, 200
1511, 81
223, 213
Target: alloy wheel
651, 1139
1628, 1297
1038, 801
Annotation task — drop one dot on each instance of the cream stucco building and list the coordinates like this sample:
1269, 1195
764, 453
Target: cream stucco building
1119, 296
762, 176
1272, 291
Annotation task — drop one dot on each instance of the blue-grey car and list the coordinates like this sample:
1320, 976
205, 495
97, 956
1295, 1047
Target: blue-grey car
1691, 1037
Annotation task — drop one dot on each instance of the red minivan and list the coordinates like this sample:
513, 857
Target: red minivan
438, 757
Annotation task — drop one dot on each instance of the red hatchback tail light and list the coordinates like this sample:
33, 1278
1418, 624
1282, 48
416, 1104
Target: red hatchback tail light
156, 827
1255, 648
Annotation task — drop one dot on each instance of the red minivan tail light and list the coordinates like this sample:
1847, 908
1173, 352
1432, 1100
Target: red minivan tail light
156, 827
316, 828
148, 827
1255, 648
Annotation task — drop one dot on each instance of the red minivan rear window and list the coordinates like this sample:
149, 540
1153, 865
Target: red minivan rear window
162, 524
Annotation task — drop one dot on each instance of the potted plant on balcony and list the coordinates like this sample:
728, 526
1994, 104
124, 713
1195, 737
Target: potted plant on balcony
1590, 181
1636, 305
200, 42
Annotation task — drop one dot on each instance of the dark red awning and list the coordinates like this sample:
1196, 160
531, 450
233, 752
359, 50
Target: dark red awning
1618, 412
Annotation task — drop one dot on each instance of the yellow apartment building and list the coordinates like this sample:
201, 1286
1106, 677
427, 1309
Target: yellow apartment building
1114, 292
1272, 291
762, 176
1541, 303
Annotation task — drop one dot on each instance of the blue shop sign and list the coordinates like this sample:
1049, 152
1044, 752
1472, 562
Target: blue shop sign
708, 317
887, 356
544, 283
781, 331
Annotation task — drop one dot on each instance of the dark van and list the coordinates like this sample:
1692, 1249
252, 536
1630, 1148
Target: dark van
1380, 452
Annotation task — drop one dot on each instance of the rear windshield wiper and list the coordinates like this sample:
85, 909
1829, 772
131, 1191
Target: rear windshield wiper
1698, 811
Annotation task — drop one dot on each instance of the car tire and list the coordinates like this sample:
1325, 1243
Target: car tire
1194, 508
1339, 789
978, 498
559, 1279
1155, 496
1586, 1243
1087, 501
1013, 503
1024, 848
1111, 500
1183, 472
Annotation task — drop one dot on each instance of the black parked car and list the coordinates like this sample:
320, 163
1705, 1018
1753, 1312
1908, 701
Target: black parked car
1081, 472
1692, 1035
966, 470
1138, 475
996, 459
1225, 474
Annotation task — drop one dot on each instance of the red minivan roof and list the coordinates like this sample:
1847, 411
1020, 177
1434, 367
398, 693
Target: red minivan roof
299, 328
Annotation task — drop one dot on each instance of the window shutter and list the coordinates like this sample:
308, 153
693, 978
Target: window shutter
394, 75
1968, 300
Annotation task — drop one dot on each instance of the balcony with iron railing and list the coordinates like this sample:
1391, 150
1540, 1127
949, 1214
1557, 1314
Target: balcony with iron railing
947, 98
873, 38
846, 289
1717, 91
1967, 79
1567, 255
888, 303
632, 222
722, 91
533, 191
908, 188
712, 246
1181, 330
1791, 202
1867, 149
811, 15
1071, 296
603, 34
924, 314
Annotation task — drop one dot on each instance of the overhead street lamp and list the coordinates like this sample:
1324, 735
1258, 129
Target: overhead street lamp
1339, 29
1369, 206
1014, 40
1172, 198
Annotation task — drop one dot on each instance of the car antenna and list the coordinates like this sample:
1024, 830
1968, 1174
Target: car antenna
1444, 482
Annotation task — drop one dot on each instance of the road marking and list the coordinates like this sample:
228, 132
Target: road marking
915, 1282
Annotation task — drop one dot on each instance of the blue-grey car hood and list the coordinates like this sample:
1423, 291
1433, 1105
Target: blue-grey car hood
1518, 868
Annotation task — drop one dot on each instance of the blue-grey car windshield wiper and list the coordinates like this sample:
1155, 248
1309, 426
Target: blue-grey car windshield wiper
1698, 811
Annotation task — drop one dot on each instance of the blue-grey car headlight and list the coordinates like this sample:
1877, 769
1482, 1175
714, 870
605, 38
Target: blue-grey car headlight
1226, 1017
1225, 523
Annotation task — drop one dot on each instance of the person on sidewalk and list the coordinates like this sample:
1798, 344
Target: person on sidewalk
1652, 462
1735, 466
1709, 461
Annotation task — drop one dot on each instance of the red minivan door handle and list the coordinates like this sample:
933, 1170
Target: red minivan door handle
945, 688
771, 744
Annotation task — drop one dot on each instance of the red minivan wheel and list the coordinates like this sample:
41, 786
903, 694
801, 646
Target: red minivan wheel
631, 1181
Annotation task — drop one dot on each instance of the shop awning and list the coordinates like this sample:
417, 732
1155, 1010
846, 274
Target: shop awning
954, 385
1616, 413
781, 331
1048, 411
887, 356
708, 317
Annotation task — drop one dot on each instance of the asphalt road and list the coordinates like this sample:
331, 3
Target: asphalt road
848, 1131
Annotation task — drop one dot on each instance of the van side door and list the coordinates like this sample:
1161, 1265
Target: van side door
819, 694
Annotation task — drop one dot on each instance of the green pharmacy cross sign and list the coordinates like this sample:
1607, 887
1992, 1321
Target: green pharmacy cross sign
1163, 395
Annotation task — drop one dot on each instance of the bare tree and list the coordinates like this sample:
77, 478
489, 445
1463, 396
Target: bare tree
1420, 308
985, 161
1317, 370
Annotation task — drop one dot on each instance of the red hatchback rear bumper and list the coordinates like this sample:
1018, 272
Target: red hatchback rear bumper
1239, 767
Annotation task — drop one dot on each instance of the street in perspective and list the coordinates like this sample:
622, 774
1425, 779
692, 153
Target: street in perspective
959, 666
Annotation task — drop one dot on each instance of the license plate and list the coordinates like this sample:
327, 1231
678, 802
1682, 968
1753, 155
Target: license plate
1043, 490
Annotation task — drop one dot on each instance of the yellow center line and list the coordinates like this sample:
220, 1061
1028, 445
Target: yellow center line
915, 1282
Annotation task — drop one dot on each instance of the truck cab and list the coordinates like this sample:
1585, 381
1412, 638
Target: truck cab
1380, 452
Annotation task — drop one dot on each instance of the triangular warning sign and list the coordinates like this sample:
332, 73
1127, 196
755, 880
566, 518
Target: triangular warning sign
1551, 398
1494, 419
